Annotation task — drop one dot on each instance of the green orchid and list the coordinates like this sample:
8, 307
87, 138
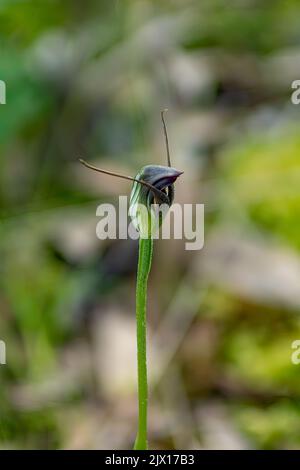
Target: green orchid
143, 198
152, 187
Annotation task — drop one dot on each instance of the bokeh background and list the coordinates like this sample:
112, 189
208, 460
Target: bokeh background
89, 79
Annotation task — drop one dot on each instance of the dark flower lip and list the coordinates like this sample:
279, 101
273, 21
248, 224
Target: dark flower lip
175, 174
167, 180
157, 173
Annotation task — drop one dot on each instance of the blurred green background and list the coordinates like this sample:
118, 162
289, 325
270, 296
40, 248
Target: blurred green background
89, 79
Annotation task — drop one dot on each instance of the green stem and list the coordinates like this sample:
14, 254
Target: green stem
144, 265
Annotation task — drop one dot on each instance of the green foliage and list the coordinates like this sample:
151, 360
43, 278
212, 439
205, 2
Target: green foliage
262, 174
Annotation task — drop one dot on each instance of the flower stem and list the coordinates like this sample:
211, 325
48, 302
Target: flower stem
144, 265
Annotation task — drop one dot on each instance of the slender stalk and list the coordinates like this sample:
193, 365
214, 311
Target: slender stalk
144, 265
